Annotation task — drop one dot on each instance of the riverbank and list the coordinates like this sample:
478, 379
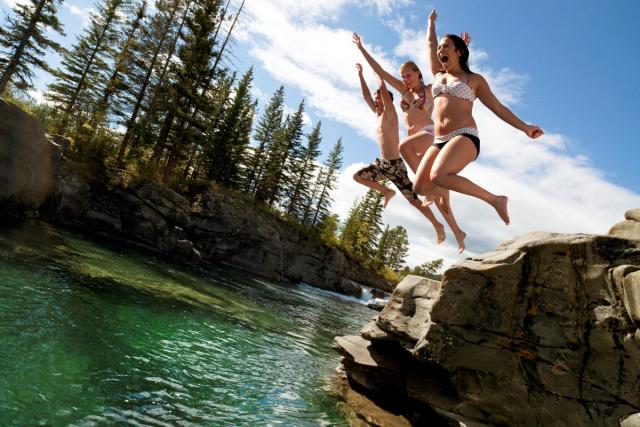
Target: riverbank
37, 181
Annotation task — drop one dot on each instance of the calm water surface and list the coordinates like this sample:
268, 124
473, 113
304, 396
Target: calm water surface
96, 334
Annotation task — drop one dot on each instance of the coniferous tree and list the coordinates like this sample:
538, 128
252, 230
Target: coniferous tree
329, 228
302, 170
426, 269
148, 131
359, 235
116, 82
332, 166
286, 147
24, 42
225, 152
313, 198
84, 68
193, 74
144, 66
268, 128
393, 245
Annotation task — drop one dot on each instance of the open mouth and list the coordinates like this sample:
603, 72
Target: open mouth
444, 59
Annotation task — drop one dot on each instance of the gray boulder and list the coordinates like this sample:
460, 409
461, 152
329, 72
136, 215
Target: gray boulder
541, 331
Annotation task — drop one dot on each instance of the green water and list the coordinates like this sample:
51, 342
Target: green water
96, 334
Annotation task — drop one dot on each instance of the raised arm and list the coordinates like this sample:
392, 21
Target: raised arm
432, 45
488, 98
397, 84
366, 93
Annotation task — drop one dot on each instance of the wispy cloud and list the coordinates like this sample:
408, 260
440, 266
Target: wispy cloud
550, 187
83, 12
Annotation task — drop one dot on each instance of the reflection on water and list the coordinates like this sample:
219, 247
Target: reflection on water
96, 334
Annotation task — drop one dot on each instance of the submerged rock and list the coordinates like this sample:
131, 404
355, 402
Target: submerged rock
545, 330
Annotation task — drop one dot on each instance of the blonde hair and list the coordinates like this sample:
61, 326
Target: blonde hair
414, 67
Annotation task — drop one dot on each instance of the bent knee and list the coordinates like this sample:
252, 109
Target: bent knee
422, 187
436, 177
405, 147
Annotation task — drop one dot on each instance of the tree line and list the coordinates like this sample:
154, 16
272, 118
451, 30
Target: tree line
149, 91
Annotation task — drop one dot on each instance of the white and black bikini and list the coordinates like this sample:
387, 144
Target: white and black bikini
459, 89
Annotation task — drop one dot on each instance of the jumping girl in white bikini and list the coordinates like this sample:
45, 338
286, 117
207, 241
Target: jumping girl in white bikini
456, 142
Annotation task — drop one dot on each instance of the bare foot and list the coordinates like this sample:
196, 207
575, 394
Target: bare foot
388, 196
440, 232
501, 207
460, 236
428, 200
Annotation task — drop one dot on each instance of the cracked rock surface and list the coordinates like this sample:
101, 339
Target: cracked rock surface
545, 330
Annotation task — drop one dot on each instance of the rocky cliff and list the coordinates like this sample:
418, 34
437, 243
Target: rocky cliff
543, 331
219, 228
28, 162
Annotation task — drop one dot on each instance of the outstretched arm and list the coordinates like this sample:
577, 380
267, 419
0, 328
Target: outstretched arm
488, 98
432, 45
366, 94
397, 84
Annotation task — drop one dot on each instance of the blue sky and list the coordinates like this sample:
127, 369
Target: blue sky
556, 64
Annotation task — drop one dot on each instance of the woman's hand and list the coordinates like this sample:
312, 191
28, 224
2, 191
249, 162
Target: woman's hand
465, 37
359, 67
533, 131
357, 40
433, 16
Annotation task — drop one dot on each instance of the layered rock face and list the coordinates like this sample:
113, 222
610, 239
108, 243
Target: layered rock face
219, 228
28, 162
543, 331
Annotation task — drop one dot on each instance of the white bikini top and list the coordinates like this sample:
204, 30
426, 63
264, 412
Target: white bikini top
458, 88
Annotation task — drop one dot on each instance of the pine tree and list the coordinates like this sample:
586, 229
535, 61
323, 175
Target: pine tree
84, 68
268, 127
332, 166
225, 152
301, 173
384, 245
286, 146
311, 202
144, 66
123, 57
427, 269
24, 42
392, 248
329, 228
193, 73
359, 234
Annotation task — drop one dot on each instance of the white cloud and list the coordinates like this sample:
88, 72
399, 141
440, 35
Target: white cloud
37, 96
12, 3
550, 188
84, 13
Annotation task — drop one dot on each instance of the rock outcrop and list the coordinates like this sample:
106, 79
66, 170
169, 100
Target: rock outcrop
28, 163
219, 228
543, 331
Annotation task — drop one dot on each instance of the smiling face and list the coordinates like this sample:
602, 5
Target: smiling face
411, 76
448, 55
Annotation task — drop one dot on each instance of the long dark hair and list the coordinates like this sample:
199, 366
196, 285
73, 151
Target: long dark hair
461, 47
